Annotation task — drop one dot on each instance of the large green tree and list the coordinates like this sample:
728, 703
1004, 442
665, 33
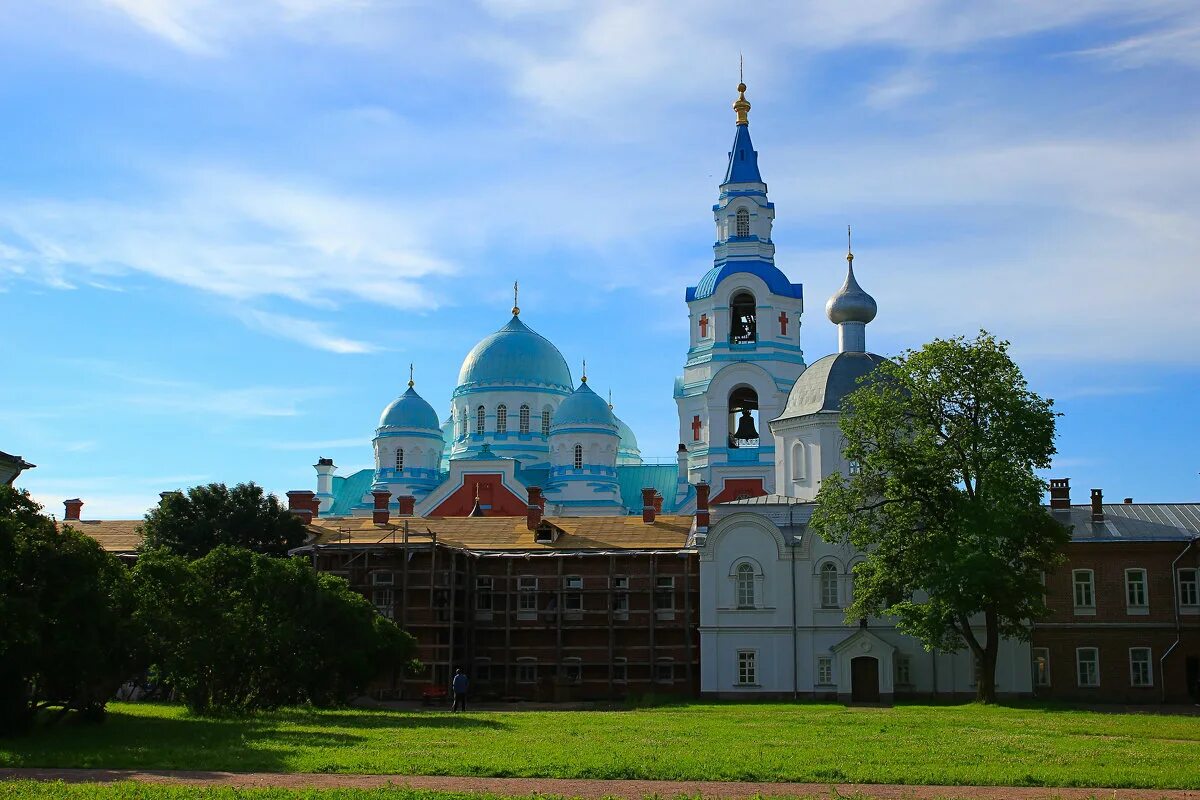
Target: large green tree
194, 523
67, 634
945, 501
236, 631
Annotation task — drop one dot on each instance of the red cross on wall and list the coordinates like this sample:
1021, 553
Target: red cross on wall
783, 323
696, 429
704, 325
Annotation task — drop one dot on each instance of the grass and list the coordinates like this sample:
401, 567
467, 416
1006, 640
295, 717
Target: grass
915, 744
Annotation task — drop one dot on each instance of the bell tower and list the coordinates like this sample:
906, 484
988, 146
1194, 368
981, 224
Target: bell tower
744, 346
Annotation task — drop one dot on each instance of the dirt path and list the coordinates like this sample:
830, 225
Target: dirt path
589, 789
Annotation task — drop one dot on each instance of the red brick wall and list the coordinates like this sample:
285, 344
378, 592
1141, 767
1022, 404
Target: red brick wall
498, 500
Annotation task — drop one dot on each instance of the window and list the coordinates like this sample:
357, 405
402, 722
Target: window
572, 670
743, 223
523, 419
825, 670
747, 672
1135, 590
620, 670
573, 599
1189, 587
483, 670
853, 467
1140, 673
483, 594
480, 419
527, 671
578, 456
664, 594
399, 458
382, 596
1041, 666
903, 670
829, 585
664, 671
620, 598
799, 471
462, 421
745, 586
546, 422
1085, 596
502, 418
527, 593
383, 578
1087, 666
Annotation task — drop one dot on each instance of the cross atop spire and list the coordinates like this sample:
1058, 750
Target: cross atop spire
741, 106
849, 249
610, 399
410, 375
516, 308
585, 370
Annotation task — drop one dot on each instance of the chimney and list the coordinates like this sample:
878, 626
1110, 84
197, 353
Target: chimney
1128, 501
681, 456
380, 514
71, 509
1097, 505
408, 504
533, 512
658, 501
702, 489
302, 504
1060, 494
648, 506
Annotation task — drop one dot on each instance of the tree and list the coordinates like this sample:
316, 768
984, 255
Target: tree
945, 502
193, 524
67, 637
236, 631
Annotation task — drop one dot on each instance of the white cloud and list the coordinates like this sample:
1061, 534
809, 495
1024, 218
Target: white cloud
898, 88
1169, 45
307, 332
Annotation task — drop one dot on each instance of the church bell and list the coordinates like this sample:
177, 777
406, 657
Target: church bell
745, 428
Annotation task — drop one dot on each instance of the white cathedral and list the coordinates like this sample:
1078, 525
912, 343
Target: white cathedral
757, 426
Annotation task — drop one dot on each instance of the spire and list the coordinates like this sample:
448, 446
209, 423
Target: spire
851, 308
516, 308
610, 408
410, 375
477, 510
741, 106
584, 378
743, 160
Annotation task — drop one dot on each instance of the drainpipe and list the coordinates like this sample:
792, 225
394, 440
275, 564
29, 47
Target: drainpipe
1162, 662
795, 634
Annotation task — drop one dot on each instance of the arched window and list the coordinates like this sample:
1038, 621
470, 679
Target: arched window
743, 223
799, 465
578, 456
546, 422
743, 417
502, 418
745, 586
480, 419
462, 422
829, 585
743, 327
399, 458
524, 419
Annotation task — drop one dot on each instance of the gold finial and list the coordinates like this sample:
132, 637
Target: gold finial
410, 376
849, 249
516, 308
585, 370
741, 106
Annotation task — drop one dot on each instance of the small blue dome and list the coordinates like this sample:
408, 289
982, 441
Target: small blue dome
627, 450
584, 407
514, 354
411, 411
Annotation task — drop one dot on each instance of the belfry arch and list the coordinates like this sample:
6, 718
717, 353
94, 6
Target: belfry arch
743, 417
743, 319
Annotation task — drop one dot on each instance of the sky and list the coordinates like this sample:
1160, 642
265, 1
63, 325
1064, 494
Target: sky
227, 229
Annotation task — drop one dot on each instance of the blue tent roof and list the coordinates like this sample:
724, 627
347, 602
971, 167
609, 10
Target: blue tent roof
743, 159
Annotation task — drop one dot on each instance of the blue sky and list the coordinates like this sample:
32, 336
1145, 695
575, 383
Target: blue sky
227, 228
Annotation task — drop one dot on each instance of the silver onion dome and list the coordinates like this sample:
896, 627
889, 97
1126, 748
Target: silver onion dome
851, 303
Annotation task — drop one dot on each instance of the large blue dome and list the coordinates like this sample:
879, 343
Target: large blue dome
410, 411
584, 407
514, 355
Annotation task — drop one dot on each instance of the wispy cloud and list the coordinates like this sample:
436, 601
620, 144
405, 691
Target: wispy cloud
307, 332
1169, 45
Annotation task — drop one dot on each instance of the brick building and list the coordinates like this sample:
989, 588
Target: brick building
1125, 607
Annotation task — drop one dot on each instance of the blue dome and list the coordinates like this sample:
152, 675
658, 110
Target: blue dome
514, 355
411, 411
627, 450
584, 407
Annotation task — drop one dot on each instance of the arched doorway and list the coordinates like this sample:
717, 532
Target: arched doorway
864, 679
743, 327
743, 418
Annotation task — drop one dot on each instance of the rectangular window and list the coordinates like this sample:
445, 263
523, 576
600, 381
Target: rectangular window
527, 593
903, 670
527, 671
825, 670
1140, 673
483, 671
572, 671
1135, 589
546, 423
1087, 666
1189, 587
854, 468
747, 667
664, 671
620, 598
573, 599
483, 594
1041, 666
664, 594
384, 601
383, 578
620, 670
1085, 595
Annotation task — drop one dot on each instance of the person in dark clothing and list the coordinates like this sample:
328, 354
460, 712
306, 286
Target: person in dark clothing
459, 687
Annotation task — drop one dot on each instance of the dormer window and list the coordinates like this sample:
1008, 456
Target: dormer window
743, 223
399, 459
524, 419
480, 419
502, 418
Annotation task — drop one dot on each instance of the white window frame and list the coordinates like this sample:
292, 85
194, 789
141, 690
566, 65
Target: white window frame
1137, 592
829, 592
741, 223
1042, 678
524, 664
573, 594
825, 671
744, 586
383, 578
546, 413
1094, 661
502, 418
480, 420
523, 419
1149, 666
527, 589
484, 599
1083, 605
1189, 588
577, 460
620, 597
399, 459
384, 600
746, 666
664, 585
853, 467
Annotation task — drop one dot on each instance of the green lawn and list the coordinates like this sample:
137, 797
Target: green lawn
29, 790
949, 745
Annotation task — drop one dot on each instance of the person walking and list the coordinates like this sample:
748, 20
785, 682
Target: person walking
459, 687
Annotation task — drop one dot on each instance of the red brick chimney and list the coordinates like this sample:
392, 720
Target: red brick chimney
658, 501
1097, 505
702, 490
533, 512
380, 514
408, 504
648, 512
72, 509
303, 504
1060, 494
